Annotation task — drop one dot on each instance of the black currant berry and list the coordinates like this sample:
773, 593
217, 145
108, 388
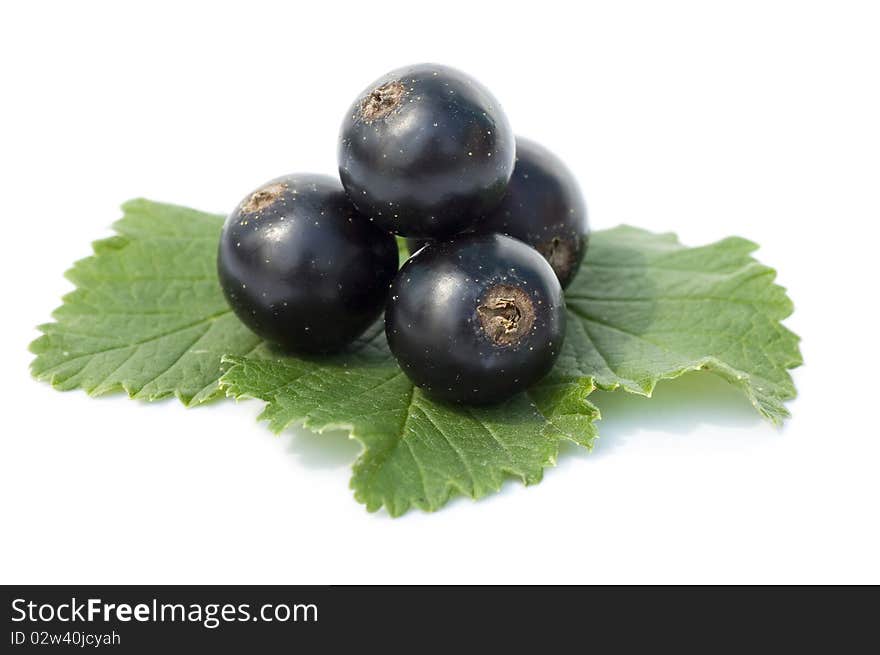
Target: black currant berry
476, 319
413, 244
301, 268
543, 207
425, 151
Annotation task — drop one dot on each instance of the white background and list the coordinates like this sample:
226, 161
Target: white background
752, 118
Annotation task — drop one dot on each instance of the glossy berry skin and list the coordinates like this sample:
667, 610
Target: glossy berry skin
425, 151
414, 244
543, 207
476, 319
301, 268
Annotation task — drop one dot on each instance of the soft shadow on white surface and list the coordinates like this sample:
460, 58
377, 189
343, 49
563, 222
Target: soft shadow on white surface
328, 450
681, 406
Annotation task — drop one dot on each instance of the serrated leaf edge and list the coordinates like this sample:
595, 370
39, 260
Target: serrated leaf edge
394, 508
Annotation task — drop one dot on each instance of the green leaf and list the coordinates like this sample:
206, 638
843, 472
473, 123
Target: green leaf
417, 451
645, 308
147, 316
402, 250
